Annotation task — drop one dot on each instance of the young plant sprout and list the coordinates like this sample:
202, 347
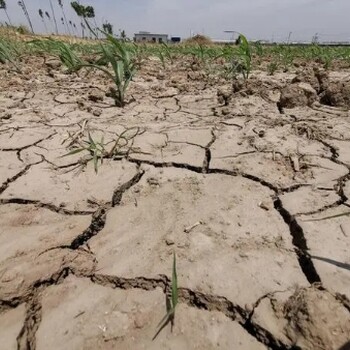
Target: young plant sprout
171, 305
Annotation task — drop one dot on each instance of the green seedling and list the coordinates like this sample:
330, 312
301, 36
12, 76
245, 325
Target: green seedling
259, 49
272, 68
167, 52
96, 149
161, 57
245, 56
69, 58
99, 150
240, 59
172, 303
61, 50
8, 54
121, 59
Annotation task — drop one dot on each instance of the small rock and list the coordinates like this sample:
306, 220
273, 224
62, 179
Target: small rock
7, 115
261, 133
225, 111
169, 241
95, 96
96, 112
153, 181
53, 63
263, 205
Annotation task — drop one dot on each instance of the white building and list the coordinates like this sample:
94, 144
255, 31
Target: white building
148, 37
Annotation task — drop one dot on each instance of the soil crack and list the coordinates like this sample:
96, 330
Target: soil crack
48, 206
299, 242
7, 183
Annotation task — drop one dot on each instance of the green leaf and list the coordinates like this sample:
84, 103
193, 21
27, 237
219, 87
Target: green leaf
174, 288
95, 158
329, 217
169, 314
74, 151
92, 142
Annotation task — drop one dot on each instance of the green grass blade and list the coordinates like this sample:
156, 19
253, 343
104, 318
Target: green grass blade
329, 217
95, 161
169, 314
74, 151
174, 288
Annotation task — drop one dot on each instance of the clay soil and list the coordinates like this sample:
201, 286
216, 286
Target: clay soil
233, 179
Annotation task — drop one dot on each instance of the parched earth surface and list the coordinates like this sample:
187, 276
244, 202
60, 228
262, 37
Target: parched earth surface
235, 179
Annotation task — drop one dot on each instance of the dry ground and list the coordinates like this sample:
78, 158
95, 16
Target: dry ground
85, 259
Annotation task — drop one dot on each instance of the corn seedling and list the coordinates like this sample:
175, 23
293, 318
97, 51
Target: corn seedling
167, 52
99, 150
161, 57
171, 304
287, 57
245, 57
121, 59
272, 68
61, 50
69, 58
240, 60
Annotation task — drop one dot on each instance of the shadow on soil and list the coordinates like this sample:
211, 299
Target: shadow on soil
336, 263
345, 346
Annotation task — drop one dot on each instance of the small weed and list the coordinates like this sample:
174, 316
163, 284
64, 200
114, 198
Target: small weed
8, 54
99, 150
171, 304
272, 67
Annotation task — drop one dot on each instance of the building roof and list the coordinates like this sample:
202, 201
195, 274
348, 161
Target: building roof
150, 34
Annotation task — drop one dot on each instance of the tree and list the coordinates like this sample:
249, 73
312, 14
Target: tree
60, 3
4, 7
22, 4
123, 35
49, 17
83, 12
54, 17
89, 12
79, 10
108, 28
41, 14
73, 27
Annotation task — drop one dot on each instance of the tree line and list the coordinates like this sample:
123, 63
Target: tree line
49, 18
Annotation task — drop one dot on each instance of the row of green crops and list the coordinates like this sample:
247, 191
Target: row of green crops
283, 53
120, 60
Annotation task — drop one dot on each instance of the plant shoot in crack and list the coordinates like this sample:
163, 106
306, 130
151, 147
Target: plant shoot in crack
99, 150
171, 303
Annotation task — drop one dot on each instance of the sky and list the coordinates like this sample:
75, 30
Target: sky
257, 19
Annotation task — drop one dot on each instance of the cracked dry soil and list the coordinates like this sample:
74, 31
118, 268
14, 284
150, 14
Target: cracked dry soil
86, 259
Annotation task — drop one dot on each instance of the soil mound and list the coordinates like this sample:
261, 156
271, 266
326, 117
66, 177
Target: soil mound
199, 39
297, 95
337, 94
314, 76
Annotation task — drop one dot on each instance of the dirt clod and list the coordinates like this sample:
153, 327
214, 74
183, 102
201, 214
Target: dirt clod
337, 94
297, 95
